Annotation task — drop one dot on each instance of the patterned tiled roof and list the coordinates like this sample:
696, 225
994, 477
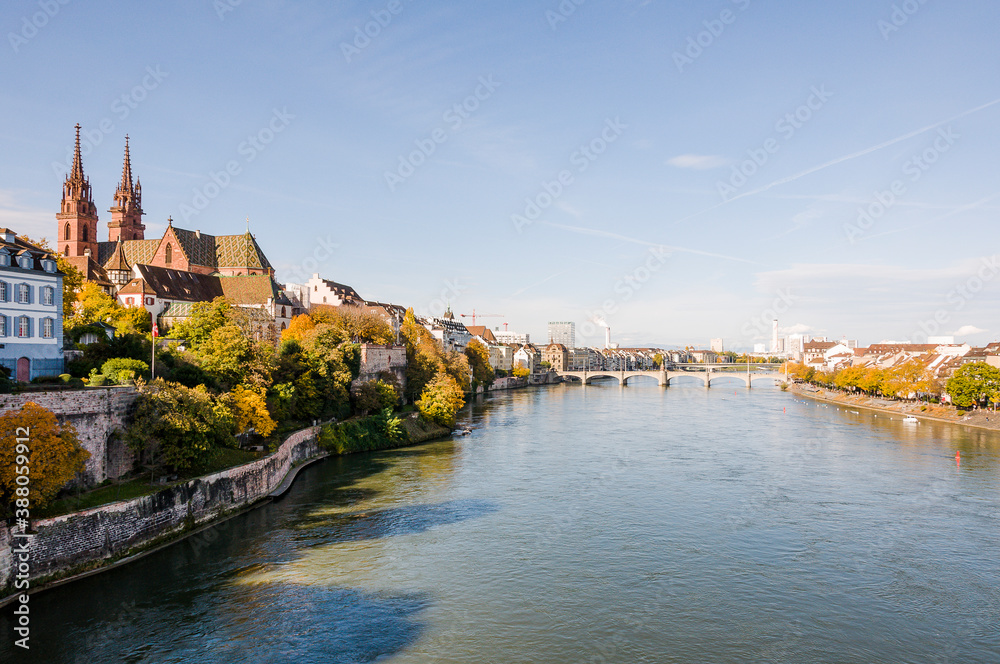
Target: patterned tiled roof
136, 251
118, 260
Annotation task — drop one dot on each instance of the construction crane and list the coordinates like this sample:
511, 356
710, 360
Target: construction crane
474, 315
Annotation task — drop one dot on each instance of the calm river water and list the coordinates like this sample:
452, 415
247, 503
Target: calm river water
592, 524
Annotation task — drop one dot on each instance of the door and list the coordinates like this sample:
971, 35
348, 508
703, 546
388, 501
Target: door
23, 370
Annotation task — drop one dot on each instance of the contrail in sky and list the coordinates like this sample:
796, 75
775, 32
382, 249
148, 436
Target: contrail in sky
840, 160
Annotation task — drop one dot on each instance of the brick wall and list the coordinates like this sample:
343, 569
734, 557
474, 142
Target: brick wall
96, 413
66, 542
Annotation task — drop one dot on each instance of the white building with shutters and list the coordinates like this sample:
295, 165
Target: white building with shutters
31, 320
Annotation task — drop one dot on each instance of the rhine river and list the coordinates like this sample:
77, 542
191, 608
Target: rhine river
578, 525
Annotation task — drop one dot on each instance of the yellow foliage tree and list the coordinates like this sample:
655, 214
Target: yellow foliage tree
250, 411
441, 399
298, 328
32, 441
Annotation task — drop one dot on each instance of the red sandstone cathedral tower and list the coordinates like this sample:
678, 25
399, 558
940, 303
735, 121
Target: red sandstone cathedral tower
77, 215
126, 215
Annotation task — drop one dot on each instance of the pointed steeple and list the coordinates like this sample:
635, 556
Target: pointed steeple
77, 173
126, 214
77, 226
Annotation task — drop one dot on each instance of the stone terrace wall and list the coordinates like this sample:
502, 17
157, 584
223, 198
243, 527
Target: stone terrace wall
96, 412
66, 542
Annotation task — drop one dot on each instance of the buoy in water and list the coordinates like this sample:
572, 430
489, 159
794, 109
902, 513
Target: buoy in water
958, 458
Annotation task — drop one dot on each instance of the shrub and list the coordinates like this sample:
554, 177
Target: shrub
365, 434
120, 369
96, 379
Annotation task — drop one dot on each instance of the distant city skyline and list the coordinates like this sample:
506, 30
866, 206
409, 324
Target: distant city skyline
678, 172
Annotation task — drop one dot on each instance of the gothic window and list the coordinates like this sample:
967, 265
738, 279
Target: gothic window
67, 231
168, 255
85, 234
66, 253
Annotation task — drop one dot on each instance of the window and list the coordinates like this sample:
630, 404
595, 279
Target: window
3, 326
24, 293
48, 327
84, 235
49, 295
3, 291
315, 288
23, 326
4, 259
168, 254
25, 261
283, 313
66, 235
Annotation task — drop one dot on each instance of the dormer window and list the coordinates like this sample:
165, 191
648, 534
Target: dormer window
4, 259
25, 261
49, 265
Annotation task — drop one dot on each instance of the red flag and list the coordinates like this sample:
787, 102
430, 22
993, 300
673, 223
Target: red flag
156, 331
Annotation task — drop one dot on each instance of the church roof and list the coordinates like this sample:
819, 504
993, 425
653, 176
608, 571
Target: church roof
177, 284
118, 260
219, 251
253, 289
136, 251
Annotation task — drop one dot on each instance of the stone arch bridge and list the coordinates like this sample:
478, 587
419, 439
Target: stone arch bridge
664, 377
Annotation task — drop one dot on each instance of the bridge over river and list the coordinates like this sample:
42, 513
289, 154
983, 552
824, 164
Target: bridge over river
706, 373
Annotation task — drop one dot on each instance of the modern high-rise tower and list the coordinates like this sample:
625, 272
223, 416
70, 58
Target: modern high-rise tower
563, 333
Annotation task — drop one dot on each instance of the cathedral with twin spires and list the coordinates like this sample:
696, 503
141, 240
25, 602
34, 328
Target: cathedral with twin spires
110, 263
165, 275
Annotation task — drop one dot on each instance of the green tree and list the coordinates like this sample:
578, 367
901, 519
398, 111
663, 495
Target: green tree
50, 454
205, 318
179, 427
973, 384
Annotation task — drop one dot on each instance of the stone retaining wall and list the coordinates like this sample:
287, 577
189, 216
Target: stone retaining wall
68, 542
97, 413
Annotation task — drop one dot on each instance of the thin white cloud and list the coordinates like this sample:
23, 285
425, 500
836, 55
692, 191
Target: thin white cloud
968, 330
798, 328
666, 247
698, 162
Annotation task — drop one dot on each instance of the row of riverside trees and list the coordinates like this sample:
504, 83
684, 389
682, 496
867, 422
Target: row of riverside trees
226, 376
972, 384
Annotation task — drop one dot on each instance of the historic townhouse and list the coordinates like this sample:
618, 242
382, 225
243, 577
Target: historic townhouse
31, 336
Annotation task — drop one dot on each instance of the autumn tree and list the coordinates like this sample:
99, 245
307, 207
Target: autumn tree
360, 324
298, 328
441, 399
50, 454
249, 410
478, 357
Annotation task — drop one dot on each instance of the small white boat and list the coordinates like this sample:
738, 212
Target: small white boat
911, 419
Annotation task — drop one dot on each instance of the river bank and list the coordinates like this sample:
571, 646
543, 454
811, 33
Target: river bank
982, 419
76, 545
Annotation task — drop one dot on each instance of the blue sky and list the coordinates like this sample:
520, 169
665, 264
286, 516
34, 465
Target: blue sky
696, 167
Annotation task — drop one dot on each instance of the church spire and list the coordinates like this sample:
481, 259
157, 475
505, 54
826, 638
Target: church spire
77, 225
77, 173
126, 214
